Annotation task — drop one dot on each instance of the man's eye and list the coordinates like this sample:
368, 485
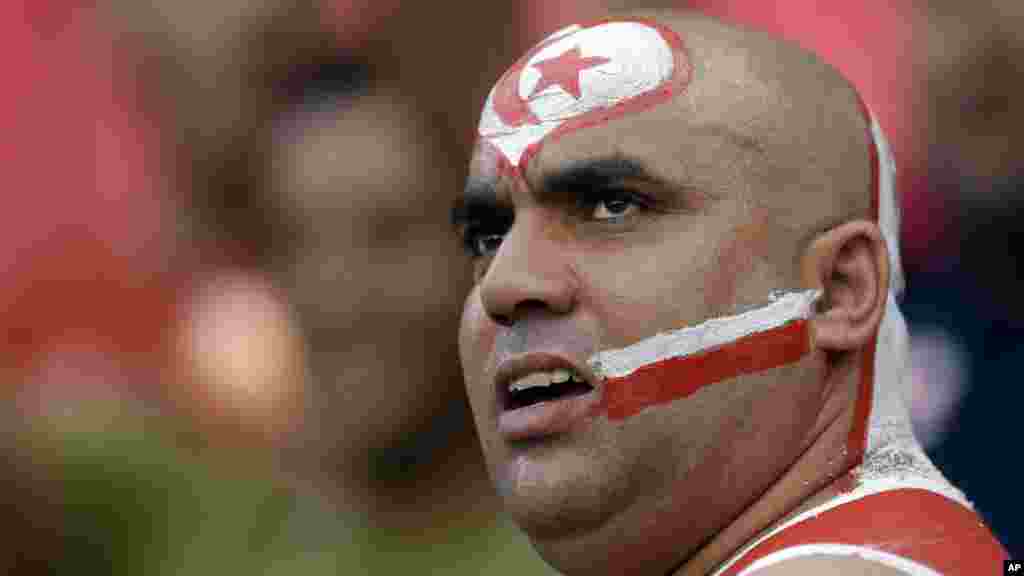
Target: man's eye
612, 206
481, 244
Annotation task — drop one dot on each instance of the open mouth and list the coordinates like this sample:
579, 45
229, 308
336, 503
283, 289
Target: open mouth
544, 387
542, 395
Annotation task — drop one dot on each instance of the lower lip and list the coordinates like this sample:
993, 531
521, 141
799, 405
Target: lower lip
550, 417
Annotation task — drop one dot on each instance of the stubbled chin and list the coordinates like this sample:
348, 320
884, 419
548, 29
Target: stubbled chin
556, 497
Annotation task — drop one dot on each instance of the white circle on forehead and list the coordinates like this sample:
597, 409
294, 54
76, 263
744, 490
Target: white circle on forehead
639, 60
618, 61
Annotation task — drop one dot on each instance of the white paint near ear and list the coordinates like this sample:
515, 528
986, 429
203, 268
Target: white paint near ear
889, 213
889, 428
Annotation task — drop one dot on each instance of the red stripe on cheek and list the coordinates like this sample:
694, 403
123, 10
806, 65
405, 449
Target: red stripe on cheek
675, 378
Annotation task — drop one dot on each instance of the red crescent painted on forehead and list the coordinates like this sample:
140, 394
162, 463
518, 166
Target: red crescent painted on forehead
514, 112
512, 109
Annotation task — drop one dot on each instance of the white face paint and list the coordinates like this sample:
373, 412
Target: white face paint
705, 336
833, 551
578, 76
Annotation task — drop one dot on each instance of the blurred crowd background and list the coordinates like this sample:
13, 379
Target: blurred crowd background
229, 294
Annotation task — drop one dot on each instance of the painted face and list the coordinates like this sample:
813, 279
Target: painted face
581, 76
605, 207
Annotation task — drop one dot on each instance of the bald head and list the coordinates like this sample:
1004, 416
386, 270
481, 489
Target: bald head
635, 176
783, 97
799, 116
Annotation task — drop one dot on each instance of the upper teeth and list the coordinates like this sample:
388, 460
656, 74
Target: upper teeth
560, 375
538, 379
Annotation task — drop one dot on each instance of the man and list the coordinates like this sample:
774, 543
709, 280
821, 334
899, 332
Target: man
683, 350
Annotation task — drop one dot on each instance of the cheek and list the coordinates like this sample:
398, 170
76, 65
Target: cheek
778, 416
735, 262
476, 341
476, 344
647, 289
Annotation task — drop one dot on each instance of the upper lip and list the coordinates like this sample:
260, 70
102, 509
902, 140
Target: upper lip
522, 365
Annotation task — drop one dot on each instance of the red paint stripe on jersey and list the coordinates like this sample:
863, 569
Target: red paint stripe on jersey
674, 378
916, 524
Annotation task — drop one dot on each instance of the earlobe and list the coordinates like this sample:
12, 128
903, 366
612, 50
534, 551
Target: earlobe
850, 264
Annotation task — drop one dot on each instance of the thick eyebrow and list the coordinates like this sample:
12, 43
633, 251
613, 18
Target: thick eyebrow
610, 170
593, 173
478, 202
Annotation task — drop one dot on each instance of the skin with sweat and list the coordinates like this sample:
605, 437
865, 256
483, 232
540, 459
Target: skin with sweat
748, 178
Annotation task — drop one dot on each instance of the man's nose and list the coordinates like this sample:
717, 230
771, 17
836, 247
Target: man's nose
530, 272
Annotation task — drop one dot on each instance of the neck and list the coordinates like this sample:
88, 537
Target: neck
815, 477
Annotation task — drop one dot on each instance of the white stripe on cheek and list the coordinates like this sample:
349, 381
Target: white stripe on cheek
705, 336
672, 366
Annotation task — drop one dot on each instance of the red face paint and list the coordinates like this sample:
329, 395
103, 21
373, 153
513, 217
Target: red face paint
668, 367
856, 443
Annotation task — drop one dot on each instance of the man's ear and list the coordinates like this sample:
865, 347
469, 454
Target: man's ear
850, 264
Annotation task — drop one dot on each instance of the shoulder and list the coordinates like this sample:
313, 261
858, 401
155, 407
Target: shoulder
903, 531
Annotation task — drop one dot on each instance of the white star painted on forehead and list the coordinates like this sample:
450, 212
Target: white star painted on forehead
631, 65
564, 71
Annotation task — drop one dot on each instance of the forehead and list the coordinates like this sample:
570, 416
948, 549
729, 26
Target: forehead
580, 77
